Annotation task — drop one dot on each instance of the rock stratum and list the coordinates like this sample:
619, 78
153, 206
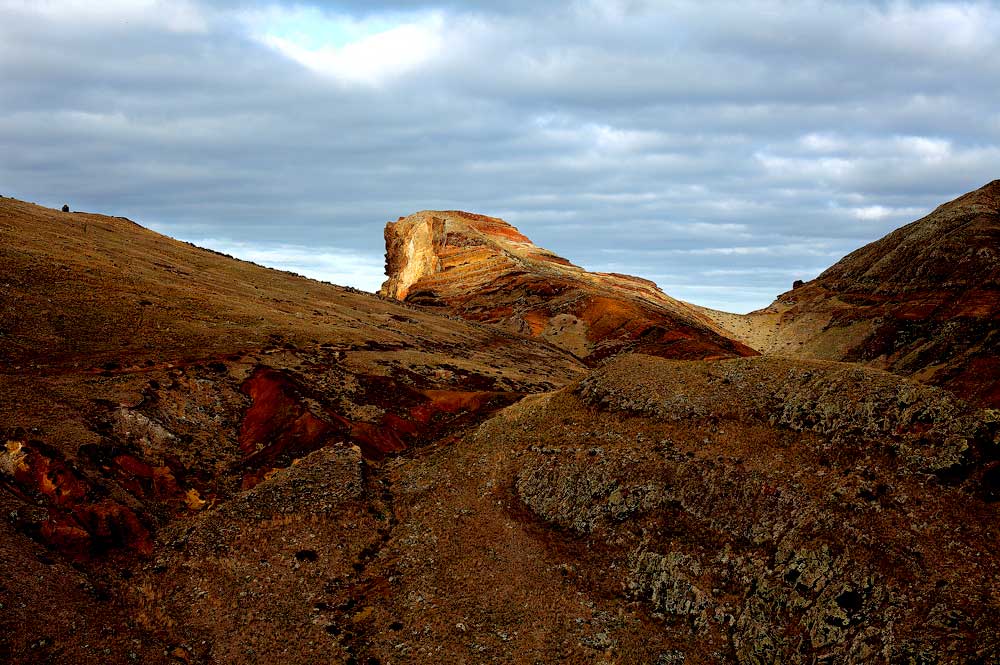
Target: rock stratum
924, 301
483, 269
206, 461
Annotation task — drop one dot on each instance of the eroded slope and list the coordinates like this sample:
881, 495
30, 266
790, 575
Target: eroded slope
745, 511
144, 381
483, 269
924, 301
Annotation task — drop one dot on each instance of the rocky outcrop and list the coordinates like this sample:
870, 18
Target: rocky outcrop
923, 428
286, 420
65, 510
924, 301
773, 510
483, 269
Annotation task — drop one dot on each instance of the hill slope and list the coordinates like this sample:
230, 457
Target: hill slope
741, 511
483, 269
143, 380
263, 468
924, 301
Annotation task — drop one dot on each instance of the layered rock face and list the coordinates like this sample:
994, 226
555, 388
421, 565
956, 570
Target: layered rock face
483, 269
924, 301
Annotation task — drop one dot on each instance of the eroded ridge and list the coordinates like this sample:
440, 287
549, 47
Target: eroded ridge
483, 269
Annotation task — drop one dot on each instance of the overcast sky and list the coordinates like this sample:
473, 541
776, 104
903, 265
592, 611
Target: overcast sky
722, 149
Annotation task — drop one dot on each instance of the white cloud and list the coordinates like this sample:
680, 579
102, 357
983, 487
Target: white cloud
366, 57
879, 212
938, 30
751, 272
783, 250
929, 149
822, 143
327, 264
871, 212
801, 168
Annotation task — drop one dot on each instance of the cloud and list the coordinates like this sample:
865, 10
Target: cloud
111, 15
878, 213
351, 50
327, 264
719, 148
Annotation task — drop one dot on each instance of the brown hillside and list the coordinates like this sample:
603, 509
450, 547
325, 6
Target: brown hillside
743, 511
143, 380
207, 462
924, 301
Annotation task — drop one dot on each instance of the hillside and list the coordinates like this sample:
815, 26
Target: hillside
483, 269
924, 301
209, 462
143, 380
743, 511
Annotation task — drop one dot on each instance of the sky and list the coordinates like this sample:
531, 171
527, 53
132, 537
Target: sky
721, 149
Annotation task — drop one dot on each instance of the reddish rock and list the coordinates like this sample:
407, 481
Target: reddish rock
483, 269
278, 421
280, 424
79, 521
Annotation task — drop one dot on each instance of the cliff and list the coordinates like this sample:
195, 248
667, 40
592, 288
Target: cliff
483, 269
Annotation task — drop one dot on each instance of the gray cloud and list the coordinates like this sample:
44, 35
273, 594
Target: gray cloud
722, 149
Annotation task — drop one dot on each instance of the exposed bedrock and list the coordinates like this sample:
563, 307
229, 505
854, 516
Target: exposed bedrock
483, 269
773, 510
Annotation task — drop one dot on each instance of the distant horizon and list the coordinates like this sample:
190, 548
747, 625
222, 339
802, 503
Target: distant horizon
721, 150
322, 265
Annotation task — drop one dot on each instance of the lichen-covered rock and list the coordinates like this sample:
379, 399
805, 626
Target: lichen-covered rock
584, 495
670, 583
928, 428
799, 512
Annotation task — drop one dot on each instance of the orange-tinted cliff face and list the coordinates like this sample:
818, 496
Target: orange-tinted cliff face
924, 301
483, 269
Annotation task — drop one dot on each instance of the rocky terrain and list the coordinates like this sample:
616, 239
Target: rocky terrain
483, 269
924, 301
206, 461
143, 381
752, 511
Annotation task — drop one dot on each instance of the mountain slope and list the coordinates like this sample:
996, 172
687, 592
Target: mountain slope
483, 269
755, 510
143, 381
208, 462
924, 301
